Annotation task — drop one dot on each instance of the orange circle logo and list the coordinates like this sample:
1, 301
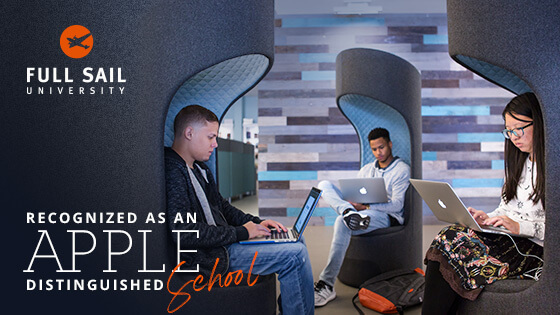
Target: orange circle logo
76, 41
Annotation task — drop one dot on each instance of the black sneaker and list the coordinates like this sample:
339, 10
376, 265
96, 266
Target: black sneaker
355, 220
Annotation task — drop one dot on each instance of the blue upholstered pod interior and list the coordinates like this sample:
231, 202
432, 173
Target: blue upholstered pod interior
216, 88
495, 74
366, 113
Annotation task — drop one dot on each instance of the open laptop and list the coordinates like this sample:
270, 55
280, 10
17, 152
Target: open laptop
448, 207
364, 190
293, 234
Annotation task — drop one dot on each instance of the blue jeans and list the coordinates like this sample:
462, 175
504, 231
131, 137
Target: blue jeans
342, 234
290, 261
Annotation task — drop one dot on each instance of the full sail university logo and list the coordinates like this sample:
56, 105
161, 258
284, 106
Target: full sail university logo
76, 41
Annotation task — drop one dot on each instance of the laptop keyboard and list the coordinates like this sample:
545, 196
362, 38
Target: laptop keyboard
495, 228
279, 235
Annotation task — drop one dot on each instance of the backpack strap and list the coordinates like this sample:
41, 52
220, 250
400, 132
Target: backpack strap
355, 304
404, 299
387, 275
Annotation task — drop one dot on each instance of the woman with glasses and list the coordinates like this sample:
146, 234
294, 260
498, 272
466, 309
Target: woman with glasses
460, 261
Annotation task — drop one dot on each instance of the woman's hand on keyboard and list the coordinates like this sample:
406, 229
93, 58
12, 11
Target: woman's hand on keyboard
505, 221
479, 215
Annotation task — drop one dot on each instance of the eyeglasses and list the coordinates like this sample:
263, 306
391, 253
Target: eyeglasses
518, 132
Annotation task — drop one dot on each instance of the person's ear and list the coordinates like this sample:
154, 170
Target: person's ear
391, 145
188, 133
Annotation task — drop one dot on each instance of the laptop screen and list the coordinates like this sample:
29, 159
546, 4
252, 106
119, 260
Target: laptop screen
307, 210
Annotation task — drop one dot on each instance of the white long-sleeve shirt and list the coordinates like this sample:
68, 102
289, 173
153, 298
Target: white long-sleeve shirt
529, 215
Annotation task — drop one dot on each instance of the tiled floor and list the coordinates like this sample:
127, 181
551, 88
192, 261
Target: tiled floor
318, 240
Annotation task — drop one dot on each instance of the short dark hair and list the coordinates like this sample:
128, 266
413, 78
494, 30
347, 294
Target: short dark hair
192, 114
379, 133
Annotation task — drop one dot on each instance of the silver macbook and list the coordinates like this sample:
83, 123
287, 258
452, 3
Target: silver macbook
293, 234
448, 207
364, 190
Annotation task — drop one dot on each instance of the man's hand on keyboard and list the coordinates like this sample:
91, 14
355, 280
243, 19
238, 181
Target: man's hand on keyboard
271, 224
256, 230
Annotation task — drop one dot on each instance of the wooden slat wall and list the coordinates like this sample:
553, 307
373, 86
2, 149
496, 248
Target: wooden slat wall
304, 138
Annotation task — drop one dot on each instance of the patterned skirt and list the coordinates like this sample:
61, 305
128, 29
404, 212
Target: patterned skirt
470, 260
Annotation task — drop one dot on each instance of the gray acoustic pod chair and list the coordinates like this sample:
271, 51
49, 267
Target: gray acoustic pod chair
104, 152
237, 50
516, 44
378, 89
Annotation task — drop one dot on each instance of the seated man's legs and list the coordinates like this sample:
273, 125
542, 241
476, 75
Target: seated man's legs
332, 195
324, 289
341, 240
342, 234
353, 219
290, 261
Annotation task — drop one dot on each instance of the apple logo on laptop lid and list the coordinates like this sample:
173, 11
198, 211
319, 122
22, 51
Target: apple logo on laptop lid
441, 204
363, 191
